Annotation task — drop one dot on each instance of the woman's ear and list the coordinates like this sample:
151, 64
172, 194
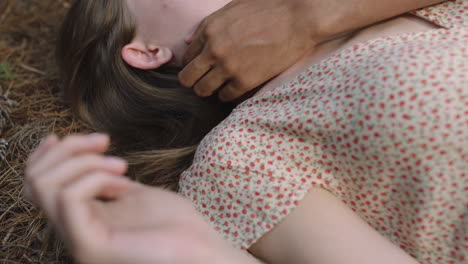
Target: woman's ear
141, 56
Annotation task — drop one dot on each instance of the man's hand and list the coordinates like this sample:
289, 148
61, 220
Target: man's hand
245, 44
248, 42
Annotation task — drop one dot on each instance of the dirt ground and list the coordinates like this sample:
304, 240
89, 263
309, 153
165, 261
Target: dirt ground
30, 108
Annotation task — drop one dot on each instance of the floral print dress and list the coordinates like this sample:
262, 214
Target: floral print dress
382, 125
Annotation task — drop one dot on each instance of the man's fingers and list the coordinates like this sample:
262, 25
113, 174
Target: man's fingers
193, 50
70, 146
195, 70
196, 43
231, 91
43, 147
211, 82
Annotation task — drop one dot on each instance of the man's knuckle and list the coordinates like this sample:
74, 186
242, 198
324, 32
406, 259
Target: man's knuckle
241, 83
215, 51
229, 67
199, 88
202, 90
203, 23
184, 81
210, 30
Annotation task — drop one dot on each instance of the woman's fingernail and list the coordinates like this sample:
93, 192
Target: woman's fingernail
97, 137
115, 162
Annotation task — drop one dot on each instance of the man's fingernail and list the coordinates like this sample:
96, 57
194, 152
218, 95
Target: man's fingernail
203, 93
222, 97
189, 37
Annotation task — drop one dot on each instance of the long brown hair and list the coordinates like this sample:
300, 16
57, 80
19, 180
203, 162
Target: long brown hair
153, 121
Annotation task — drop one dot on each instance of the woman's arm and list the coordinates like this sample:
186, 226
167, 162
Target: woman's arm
69, 179
228, 47
323, 230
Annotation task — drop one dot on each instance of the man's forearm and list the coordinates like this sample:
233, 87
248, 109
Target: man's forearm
333, 17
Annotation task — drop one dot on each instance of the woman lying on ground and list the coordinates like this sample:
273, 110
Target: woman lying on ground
375, 118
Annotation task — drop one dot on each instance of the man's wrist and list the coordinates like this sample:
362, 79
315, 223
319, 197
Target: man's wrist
317, 18
329, 18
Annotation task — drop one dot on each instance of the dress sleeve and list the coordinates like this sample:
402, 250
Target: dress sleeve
241, 203
449, 14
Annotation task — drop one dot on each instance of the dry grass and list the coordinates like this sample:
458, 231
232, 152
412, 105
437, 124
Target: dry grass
28, 87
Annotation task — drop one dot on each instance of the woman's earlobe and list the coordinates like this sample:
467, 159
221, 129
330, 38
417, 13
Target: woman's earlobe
146, 57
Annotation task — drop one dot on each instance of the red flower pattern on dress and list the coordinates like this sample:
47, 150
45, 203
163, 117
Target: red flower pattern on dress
382, 125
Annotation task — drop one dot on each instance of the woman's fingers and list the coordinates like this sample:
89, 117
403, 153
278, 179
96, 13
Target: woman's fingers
64, 150
43, 188
43, 147
77, 210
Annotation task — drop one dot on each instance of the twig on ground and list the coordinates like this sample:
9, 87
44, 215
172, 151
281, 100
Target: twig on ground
32, 69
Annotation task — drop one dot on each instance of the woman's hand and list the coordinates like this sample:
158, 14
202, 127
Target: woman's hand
106, 218
248, 42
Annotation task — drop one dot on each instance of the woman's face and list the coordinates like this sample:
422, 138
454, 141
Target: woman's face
168, 23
